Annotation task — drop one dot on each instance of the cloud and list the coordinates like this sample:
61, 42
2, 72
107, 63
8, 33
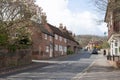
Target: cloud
80, 23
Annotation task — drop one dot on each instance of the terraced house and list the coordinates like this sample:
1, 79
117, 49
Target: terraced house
113, 23
51, 41
42, 42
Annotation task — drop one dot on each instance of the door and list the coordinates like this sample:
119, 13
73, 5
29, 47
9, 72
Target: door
51, 50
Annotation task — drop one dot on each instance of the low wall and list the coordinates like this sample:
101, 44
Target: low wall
19, 57
114, 61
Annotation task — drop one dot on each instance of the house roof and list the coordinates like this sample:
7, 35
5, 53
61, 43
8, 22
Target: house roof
55, 30
42, 28
64, 34
68, 36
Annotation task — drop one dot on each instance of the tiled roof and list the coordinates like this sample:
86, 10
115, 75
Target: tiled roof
42, 28
55, 30
64, 34
68, 36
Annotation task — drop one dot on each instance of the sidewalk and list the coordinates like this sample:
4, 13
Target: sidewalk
101, 70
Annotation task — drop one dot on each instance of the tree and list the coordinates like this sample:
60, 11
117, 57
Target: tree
101, 5
15, 18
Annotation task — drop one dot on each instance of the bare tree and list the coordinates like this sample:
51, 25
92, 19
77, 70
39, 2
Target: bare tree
101, 5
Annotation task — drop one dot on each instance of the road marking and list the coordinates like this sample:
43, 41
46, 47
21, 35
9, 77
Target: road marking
84, 72
61, 62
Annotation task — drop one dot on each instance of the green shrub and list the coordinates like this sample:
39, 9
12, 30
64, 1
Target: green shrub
69, 52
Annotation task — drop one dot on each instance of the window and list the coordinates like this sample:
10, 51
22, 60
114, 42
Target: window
46, 36
60, 38
60, 48
116, 50
65, 40
47, 48
119, 49
65, 49
56, 47
116, 44
56, 36
50, 38
111, 19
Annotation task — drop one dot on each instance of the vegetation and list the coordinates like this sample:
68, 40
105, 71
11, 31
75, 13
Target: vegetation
105, 5
105, 45
15, 19
85, 39
101, 5
69, 52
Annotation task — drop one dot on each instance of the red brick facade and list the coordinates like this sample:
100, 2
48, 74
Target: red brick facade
50, 41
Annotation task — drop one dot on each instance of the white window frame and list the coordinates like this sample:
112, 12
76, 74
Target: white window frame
65, 40
65, 49
56, 47
60, 48
47, 48
50, 38
46, 36
60, 38
56, 36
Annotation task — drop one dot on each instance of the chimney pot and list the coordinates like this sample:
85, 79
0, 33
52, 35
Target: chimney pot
61, 26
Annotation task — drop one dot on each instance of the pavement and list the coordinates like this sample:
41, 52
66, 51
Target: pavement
100, 69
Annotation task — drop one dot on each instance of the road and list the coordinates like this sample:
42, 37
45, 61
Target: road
82, 66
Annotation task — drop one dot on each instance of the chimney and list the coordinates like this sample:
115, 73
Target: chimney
70, 32
43, 17
74, 35
61, 26
64, 28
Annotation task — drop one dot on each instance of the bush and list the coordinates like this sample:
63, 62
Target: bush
69, 52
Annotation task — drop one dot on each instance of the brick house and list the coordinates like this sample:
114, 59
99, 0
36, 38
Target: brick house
72, 44
112, 19
59, 40
50, 41
63, 39
92, 44
42, 42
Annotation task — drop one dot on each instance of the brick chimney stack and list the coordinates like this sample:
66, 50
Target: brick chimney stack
61, 26
74, 35
64, 28
43, 17
70, 32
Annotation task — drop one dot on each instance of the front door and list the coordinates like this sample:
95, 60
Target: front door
51, 51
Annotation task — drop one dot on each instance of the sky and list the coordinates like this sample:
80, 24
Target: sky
79, 16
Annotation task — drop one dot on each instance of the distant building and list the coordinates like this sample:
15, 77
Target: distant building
94, 44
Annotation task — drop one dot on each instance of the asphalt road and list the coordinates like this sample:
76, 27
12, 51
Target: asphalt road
82, 66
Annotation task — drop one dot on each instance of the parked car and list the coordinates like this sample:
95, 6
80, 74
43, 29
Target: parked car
95, 51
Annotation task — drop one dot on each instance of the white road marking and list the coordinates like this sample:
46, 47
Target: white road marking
60, 62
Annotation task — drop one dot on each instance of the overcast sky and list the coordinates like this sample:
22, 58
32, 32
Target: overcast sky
79, 16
